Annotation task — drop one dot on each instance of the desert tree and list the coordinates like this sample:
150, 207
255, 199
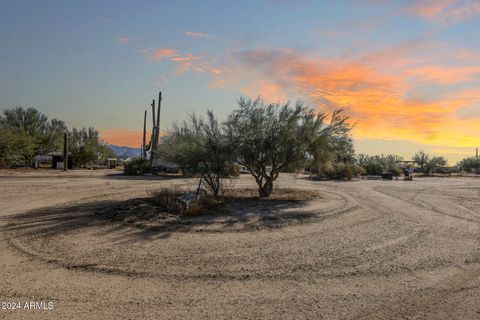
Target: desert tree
200, 146
362, 159
434, 163
375, 165
269, 137
7, 146
470, 164
421, 158
427, 163
34, 133
86, 146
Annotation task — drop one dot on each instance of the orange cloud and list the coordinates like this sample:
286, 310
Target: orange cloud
377, 96
268, 90
163, 53
446, 11
430, 9
444, 74
202, 63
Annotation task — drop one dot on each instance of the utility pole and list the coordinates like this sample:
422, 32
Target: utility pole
476, 162
144, 150
65, 151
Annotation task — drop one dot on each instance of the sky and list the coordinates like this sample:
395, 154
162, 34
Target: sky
407, 72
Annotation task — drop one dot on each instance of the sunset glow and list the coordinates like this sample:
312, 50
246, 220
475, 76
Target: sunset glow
407, 72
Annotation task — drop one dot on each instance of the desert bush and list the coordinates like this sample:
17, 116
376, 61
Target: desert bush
471, 164
394, 169
137, 167
199, 146
341, 170
374, 167
205, 205
166, 198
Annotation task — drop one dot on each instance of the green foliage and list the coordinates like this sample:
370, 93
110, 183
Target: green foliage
86, 147
428, 164
269, 137
375, 165
471, 164
32, 133
342, 170
137, 166
200, 146
362, 159
434, 163
7, 148
28, 132
421, 158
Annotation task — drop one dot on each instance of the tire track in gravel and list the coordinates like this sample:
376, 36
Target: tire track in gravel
384, 258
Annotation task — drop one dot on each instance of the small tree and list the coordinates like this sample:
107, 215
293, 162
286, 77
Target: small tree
435, 162
374, 166
271, 137
7, 146
421, 158
470, 164
362, 159
87, 147
32, 131
200, 146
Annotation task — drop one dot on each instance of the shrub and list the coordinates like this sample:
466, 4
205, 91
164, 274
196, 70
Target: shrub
205, 205
374, 168
394, 169
339, 170
166, 198
137, 167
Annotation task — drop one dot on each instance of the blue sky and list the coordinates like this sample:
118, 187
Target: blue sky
406, 71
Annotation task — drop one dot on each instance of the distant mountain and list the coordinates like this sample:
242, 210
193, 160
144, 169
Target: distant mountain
124, 151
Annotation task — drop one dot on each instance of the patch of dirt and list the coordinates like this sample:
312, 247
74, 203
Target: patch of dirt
237, 210
363, 250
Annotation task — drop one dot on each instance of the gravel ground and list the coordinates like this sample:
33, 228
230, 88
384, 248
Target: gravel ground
362, 250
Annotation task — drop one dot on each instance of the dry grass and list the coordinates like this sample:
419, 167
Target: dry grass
208, 205
166, 198
162, 205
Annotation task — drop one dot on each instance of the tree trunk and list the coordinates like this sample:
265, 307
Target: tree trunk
265, 189
213, 183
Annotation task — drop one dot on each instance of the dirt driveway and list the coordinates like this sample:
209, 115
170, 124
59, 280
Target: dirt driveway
369, 250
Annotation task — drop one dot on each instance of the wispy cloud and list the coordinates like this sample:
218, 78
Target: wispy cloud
185, 62
124, 40
201, 35
445, 11
444, 74
162, 53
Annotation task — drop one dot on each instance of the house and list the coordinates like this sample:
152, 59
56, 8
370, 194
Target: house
111, 163
58, 161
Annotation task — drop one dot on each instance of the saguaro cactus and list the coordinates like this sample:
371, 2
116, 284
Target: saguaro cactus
155, 134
